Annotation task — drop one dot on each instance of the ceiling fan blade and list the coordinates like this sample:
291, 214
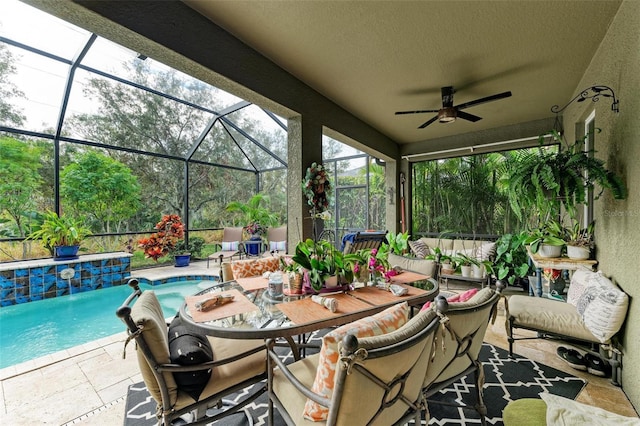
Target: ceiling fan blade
467, 116
428, 122
416, 112
483, 100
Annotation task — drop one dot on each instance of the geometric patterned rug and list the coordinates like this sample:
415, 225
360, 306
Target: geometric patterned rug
506, 379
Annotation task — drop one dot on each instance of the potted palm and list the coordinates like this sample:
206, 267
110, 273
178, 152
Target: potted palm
61, 235
256, 218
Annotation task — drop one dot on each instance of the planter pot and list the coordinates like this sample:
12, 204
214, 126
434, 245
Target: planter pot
66, 252
478, 271
182, 260
465, 270
547, 250
253, 248
579, 253
447, 269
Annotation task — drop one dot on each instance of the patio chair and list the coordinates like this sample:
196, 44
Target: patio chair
238, 364
276, 241
458, 347
377, 379
364, 240
230, 245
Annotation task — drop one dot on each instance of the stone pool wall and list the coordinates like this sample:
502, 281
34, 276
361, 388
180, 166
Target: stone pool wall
31, 280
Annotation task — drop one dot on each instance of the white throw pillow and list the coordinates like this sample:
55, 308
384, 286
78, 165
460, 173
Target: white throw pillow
564, 411
581, 280
486, 251
605, 311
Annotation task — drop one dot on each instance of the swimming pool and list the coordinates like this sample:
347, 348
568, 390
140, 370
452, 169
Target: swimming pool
32, 330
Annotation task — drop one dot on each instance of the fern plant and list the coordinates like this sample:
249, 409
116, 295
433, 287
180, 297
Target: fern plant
541, 181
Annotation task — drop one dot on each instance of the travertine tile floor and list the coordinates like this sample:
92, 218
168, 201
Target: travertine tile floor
86, 385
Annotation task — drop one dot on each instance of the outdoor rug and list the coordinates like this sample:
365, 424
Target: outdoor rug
506, 379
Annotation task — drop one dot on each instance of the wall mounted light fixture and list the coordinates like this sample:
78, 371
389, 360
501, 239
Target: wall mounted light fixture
594, 93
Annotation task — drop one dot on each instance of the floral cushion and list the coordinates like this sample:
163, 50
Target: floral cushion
229, 246
381, 323
254, 267
277, 245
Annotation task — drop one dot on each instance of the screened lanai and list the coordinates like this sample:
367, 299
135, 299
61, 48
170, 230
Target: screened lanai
92, 129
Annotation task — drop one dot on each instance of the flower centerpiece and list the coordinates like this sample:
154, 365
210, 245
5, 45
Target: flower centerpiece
167, 238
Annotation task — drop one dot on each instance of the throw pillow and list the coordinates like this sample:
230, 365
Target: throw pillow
277, 245
229, 246
486, 251
188, 348
565, 411
462, 297
419, 249
381, 323
605, 311
254, 267
583, 278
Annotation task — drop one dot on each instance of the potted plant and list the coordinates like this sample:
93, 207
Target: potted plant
398, 243
256, 218
61, 235
548, 239
167, 240
543, 180
464, 263
321, 262
511, 261
580, 241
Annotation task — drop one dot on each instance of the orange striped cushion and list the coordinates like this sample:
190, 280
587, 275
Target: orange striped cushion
381, 323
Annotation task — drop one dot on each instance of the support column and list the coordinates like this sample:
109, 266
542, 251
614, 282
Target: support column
304, 144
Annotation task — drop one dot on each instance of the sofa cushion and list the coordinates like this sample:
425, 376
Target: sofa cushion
485, 251
421, 266
381, 323
543, 314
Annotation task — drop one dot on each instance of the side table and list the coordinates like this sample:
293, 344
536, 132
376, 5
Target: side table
563, 263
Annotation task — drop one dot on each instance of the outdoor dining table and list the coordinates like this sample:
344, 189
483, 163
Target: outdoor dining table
254, 314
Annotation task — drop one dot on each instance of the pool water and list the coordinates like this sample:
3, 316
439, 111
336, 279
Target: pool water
34, 329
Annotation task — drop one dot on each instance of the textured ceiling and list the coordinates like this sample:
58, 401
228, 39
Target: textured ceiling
375, 58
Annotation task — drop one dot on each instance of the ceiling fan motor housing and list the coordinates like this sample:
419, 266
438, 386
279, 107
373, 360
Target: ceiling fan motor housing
447, 115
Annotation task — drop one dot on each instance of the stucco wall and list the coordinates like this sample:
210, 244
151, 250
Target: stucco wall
617, 64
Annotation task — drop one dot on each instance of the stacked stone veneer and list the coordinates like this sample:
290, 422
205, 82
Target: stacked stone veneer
31, 280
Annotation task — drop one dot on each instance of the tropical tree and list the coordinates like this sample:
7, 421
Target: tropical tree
19, 180
101, 188
9, 114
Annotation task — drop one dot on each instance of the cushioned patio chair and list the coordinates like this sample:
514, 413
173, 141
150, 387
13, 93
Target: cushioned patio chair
378, 378
238, 363
458, 347
230, 246
276, 241
364, 240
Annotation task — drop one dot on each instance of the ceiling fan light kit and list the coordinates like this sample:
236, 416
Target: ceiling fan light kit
449, 112
447, 115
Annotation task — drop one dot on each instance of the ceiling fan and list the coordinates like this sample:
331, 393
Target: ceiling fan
449, 112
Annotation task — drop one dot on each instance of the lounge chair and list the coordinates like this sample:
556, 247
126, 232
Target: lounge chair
230, 245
